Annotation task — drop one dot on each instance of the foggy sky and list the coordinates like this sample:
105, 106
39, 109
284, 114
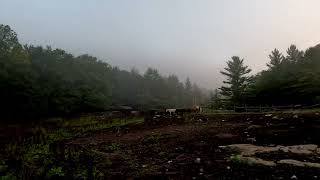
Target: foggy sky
184, 37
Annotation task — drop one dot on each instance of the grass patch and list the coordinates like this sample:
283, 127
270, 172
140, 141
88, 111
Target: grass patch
31, 157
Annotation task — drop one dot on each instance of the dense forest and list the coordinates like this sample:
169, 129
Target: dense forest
291, 79
40, 81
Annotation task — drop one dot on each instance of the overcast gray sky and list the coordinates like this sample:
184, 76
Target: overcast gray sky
184, 37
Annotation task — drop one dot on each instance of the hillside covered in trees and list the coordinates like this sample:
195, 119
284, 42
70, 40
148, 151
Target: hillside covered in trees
291, 79
40, 81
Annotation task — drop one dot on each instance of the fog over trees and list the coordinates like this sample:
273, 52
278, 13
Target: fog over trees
291, 79
40, 81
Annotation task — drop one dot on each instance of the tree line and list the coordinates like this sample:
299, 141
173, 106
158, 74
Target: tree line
290, 79
38, 81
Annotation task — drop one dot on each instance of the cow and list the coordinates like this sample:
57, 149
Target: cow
171, 111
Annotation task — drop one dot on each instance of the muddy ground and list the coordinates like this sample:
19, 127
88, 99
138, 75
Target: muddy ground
196, 148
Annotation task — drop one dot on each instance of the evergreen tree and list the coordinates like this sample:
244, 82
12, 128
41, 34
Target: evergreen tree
275, 59
294, 55
237, 79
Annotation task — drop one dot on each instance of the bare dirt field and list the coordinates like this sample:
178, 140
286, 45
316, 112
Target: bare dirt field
216, 146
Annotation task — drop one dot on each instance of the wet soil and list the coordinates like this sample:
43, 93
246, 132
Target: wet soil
192, 149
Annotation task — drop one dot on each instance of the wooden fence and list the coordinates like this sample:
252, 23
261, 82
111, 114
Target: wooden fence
246, 108
272, 108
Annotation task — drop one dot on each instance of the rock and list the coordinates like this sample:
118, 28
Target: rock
250, 150
299, 163
228, 167
225, 136
301, 149
291, 162
296, 116
275, 117
254, 127
294, 177
256, 161
198, 160
251, 139
268, 115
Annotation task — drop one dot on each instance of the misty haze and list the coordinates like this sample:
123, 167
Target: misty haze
162, 89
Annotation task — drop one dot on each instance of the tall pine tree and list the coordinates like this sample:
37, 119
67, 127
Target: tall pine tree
236, 73
275, 59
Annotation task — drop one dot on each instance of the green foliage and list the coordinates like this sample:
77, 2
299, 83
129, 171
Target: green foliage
237, 80
34, 159
112, 147
296, 80
236, 158
276, 59
40, 82
55, 171
215, 100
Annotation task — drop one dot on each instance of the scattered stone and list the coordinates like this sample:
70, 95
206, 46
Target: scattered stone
251, 139
201, 170
299, 163
275, 117
296, 116
198, 160
169, 162
250, 149
268, 115
300, 149
294, 177
256, 161
254, 127
144, 165
228, 167
225, 136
